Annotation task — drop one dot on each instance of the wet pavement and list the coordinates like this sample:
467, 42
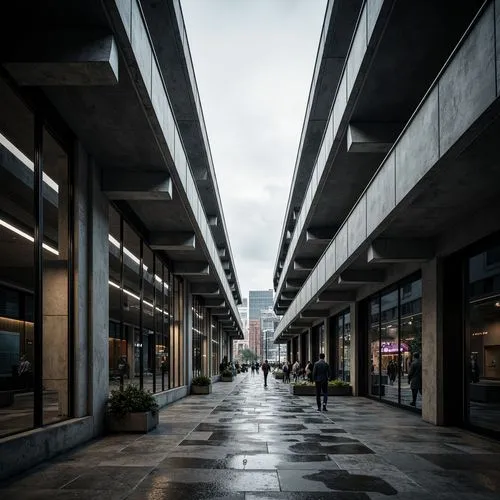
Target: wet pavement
247, 442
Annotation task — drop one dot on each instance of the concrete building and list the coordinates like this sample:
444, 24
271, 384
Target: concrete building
254, 338
391, 239
115, 259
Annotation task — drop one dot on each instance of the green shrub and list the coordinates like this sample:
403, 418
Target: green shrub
202, 380
130, 400
227, 373
338, 383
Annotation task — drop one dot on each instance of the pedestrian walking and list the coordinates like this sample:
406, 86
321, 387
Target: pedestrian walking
295, 370
253, 369
415, 378
265, 370
286, 373
321, 374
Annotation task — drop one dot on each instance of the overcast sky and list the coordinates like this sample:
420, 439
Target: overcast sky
253, 62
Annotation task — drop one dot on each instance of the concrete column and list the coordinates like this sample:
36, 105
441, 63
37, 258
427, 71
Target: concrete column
326, 324
188, 337
55, 302
309, 346
81, 281
355, 345
98, 300
432, 343
210, 367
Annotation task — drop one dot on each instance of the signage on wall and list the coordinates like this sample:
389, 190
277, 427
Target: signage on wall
479, 334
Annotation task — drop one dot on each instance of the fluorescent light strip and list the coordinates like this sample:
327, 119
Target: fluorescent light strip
26, 161
127, 252
136, 297
27, 236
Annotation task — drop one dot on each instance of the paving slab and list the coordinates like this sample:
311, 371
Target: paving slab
247, 442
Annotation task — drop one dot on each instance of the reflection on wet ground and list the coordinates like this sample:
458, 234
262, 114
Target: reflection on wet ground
250, 443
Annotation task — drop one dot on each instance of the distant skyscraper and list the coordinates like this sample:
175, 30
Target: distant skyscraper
258, 300
243, 310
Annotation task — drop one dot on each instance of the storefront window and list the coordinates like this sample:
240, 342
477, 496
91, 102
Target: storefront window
343, 345
35, 303
140, 311
482, 363
395, 342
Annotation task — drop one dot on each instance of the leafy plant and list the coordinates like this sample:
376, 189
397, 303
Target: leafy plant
227, 373
130, 400
302, 383
338, 383
201, 380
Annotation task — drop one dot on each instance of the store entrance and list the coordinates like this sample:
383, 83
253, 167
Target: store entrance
482, 363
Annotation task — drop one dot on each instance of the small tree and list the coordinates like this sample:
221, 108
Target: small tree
248, 355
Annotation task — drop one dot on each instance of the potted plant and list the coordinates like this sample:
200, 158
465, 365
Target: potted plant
132, 410
336, 387
226, 375
201, 385
278, 374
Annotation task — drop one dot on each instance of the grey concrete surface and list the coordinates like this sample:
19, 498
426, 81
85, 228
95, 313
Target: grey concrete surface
245, 441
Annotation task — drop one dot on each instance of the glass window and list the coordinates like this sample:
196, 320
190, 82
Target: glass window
482, 363
395, 344
17, 226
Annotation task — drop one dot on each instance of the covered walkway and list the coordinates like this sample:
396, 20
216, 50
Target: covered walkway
247, 442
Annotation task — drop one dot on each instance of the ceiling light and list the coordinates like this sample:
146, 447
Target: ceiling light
27, 236
497, 304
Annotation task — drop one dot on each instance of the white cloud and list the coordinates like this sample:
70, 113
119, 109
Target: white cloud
254, 61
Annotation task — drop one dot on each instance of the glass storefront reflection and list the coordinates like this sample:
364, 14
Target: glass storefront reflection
394, 343
482, 364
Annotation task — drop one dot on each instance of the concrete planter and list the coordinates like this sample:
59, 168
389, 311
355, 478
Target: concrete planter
201, 389
278, 376
142, 422
226, 379
310, 390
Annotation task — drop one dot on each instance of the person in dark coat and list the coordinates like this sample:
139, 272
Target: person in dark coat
265, 370
321, 374
415, 378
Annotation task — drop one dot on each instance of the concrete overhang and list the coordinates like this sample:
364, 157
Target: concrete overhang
129, 128
168, 33
428, 182
371, 99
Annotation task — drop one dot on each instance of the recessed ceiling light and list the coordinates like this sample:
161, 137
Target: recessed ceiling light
497, 304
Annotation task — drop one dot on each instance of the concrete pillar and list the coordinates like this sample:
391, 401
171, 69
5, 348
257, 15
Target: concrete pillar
99, 300
210, 367
309, 346
188, 337
326, 323
81, 281
356, 337
432, 343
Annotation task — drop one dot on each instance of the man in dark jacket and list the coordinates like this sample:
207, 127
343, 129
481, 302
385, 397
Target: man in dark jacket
415, 378
265, 371
321, 374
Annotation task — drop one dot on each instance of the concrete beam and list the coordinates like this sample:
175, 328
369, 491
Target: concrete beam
320, 235
284, 300
288, 235
163, 240
372, 137
127, 185
332, 296
63, 58
200, 175
302, 323
294, 284
221, 311
215, 303
288, 295
359, 277
221, 252
394, 250
229, 277
191, 268
304, 264
324, 313
226, 265
283, 305
212, 220
204, 289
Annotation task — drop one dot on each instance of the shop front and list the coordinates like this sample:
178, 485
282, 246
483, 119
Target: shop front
394, 343
482, 339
